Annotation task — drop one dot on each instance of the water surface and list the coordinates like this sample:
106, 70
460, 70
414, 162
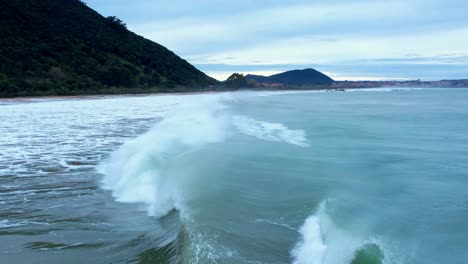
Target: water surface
375, 176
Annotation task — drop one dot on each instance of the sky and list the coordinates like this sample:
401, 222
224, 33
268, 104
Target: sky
346, 39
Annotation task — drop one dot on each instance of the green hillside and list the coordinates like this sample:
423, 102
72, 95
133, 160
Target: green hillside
63, 47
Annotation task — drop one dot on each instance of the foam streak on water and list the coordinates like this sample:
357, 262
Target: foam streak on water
270, 131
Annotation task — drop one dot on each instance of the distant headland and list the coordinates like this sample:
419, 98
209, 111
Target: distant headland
313, 79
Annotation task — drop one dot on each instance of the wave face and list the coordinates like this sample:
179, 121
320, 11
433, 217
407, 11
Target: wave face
137, 172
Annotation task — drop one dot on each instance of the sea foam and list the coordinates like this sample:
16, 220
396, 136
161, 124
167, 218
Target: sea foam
312, 248
322, 242
269, 131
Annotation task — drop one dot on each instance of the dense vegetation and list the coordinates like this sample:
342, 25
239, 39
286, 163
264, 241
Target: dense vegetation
238, 80
305, 77
62, 47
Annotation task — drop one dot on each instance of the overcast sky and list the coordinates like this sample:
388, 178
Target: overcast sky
347, 39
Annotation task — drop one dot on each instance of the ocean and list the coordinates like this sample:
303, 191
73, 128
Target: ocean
357, 177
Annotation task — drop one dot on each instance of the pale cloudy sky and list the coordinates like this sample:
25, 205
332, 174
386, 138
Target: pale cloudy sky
347, 39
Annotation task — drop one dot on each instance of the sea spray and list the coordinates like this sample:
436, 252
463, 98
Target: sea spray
137, 172
323, 242
312, 248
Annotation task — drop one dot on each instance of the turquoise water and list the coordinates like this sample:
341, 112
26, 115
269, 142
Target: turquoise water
375, 176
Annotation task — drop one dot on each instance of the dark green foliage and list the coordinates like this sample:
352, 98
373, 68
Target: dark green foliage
62, 47
236, 80
118, 76
116, 23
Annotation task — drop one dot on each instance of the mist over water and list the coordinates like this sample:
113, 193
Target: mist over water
376, 176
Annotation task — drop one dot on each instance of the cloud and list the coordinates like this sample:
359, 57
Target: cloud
194, 33
362, 70
302, 32
311, 50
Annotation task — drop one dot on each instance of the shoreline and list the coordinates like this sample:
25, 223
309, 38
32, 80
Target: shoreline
101, 96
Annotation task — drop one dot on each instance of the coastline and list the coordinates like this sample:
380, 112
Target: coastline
295, 89
100, 96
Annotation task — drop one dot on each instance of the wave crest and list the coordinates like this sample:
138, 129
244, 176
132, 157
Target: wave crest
312, 248
322, 242
138, 171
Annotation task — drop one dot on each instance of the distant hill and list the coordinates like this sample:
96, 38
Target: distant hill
63, 47
295, 77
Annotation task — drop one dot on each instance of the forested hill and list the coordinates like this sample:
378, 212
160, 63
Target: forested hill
63, 47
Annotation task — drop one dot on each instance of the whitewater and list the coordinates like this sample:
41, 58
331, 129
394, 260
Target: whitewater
367, 176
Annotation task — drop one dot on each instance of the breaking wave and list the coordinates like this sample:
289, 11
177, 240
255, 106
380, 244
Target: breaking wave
138, 171
148, 171
322, 242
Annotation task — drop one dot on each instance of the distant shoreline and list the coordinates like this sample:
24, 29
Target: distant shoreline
259, 89
99, 96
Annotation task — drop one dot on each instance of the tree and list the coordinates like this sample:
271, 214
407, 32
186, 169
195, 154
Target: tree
116, 23
56, 73
119, 76
236, 80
